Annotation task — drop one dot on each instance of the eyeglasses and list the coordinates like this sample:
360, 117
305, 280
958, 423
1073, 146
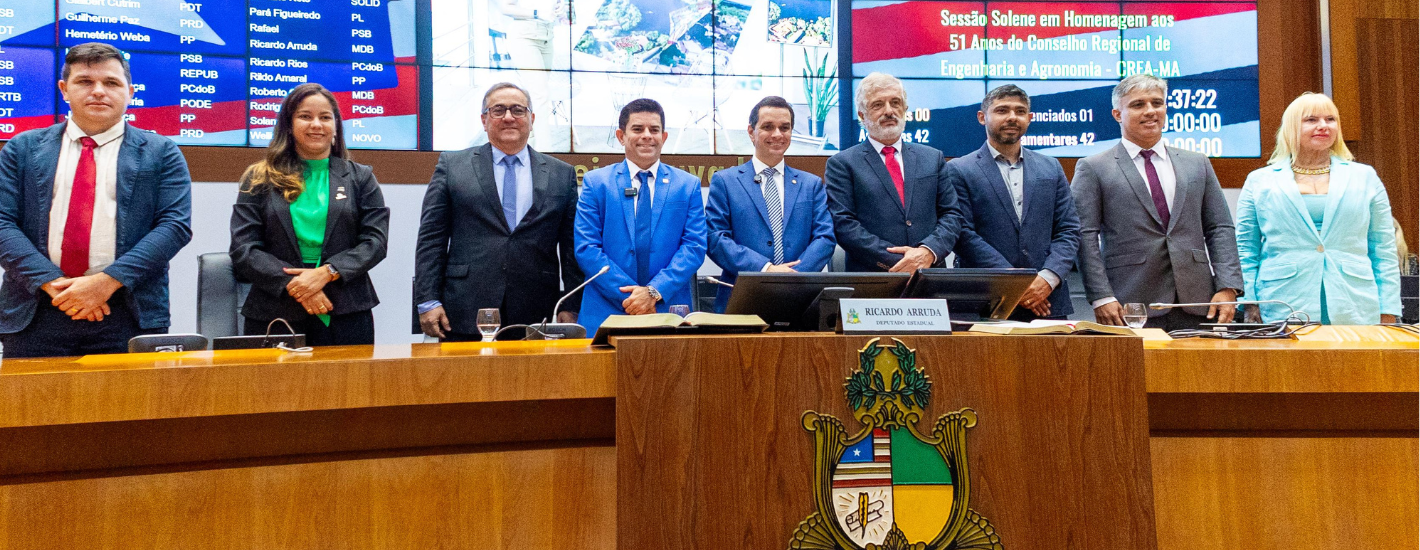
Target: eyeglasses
497, 111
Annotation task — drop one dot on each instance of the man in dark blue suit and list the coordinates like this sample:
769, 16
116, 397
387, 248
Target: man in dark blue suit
642, 220
893, 206
1017, 207
763, 215
91, 211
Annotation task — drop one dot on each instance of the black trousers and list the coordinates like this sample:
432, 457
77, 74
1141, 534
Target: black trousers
53, 334
346, 329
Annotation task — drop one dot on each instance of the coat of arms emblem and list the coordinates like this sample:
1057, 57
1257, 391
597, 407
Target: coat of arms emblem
888, 486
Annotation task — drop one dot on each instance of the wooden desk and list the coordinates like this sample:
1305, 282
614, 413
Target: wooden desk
1254, 445
1286, 444
465, 446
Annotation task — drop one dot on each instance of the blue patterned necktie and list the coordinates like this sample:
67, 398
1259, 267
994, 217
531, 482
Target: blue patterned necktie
510, 190
643, 229
776, 213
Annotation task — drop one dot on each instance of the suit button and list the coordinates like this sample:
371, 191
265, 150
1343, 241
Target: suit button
909, 223
769, 242
1320, 248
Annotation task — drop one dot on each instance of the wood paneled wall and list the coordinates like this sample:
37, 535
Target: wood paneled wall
1374, 62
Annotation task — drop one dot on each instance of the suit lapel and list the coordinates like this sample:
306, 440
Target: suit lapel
490, 206
1182, 185
1281, 179
1141, 189
540, 194
128, 158
658, 199
45, 161
340, 190
283, 217
1335, 193
754, 190
879, 166
620, 180
1033, 184
791, 192
992, 176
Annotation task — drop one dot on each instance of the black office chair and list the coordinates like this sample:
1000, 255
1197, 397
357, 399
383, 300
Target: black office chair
220, 295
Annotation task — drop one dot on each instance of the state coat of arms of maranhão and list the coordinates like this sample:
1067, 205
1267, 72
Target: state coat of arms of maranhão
888, 486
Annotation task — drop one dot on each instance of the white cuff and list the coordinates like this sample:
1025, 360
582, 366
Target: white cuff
1050, 277
767, 265
1102, 301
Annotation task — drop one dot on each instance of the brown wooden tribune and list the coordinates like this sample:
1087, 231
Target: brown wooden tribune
697, 443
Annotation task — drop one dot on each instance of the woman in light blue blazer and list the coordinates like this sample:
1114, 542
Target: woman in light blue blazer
1314, 226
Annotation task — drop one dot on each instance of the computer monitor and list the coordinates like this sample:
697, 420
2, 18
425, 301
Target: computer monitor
792, 301
972, 294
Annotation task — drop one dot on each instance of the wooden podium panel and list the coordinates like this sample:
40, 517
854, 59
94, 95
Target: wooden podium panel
712, 452
1276, 444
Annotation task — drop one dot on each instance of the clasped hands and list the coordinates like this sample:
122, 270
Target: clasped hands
82, 298
307, 287
913, 258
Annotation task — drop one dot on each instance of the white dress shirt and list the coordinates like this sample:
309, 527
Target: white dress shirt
759, 167
1167, 180
103, 233
632, 169
897, 155
524, 199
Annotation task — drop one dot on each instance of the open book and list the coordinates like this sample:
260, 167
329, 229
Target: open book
1041, 326
699, 322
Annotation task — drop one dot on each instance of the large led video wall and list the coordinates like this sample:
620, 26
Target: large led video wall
410, 74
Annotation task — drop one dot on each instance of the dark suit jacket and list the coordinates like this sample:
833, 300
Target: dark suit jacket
868, 217
356, 234
1046, 237
154, 221
468, 259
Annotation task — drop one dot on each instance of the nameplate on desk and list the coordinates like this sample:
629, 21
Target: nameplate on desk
894, 316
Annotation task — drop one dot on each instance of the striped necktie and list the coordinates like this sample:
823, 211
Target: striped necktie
776, 213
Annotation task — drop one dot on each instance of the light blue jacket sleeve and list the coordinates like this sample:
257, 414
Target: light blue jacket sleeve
1380, 246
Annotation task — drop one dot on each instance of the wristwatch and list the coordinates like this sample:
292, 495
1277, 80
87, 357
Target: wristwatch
655, 294
333, 273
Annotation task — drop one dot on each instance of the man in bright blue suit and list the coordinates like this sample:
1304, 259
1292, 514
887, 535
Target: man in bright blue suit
763, 215
91, 211
893, 208
642, 219
1016, 207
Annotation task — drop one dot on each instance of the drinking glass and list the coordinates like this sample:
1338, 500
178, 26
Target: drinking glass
488, 323
1135, 315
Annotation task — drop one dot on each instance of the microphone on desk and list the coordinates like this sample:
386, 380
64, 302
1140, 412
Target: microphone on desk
564, 330
1166, 305
719, 282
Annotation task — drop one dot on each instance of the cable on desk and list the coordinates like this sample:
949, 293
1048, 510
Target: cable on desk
1285, 329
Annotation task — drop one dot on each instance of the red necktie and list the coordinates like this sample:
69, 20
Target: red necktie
74, 256
896, 172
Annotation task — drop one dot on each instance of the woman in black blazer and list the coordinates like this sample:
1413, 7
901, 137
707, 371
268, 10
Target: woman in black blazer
307, 227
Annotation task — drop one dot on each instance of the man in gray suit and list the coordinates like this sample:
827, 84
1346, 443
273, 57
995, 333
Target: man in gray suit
894, 208
1154, 222
496, 230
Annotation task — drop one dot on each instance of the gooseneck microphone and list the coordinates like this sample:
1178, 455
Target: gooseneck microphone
563, 330
564, 297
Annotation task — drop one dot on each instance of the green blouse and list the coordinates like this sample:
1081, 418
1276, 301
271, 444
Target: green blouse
308, 213
309, 209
